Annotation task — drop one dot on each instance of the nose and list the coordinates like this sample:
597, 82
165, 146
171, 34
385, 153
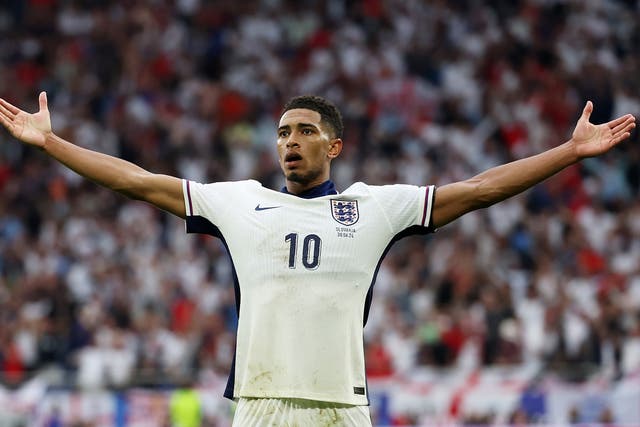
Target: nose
291, 142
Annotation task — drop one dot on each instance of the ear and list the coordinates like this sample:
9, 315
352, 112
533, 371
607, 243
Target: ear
335, 148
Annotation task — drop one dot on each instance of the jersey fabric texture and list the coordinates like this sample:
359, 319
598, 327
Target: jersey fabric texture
267, 412
304, 270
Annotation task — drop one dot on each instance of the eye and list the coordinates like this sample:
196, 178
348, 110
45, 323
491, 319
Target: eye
283, 134
307, 131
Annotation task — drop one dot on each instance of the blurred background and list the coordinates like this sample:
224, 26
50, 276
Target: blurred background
526, 312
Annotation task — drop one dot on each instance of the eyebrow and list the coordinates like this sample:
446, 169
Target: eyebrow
301, 125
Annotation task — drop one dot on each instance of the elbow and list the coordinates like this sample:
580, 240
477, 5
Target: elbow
485, 195
455, 200
131, 195
132, 186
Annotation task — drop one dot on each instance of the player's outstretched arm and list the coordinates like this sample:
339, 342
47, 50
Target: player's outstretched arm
119, 175
502, 182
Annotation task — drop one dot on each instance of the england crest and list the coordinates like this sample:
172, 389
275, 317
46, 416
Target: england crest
345, 211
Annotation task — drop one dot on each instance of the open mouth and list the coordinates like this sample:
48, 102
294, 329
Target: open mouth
291, 159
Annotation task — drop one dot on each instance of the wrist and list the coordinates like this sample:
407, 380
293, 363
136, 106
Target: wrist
49, 139
572, 151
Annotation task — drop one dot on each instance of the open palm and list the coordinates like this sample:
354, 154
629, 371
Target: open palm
591, 140
29, 128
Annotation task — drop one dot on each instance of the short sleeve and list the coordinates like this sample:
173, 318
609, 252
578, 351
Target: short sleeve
406, 206
207, 205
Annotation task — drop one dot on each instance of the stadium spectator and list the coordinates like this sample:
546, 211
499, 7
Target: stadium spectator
412, 114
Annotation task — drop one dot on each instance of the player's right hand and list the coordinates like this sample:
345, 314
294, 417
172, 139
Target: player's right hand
32, 129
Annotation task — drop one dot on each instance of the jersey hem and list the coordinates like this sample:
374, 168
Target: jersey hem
309, 396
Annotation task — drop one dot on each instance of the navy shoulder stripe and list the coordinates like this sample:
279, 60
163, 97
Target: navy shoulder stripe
201, 225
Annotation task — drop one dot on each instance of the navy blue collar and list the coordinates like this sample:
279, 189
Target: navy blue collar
324, 189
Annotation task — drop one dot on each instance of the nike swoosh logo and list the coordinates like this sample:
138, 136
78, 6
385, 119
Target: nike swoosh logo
264, 208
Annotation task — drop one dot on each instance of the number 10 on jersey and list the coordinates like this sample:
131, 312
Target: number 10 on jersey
311, 245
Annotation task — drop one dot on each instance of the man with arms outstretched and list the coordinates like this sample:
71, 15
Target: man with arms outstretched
305, 259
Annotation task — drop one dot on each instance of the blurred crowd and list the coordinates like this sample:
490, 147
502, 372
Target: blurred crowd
100, 291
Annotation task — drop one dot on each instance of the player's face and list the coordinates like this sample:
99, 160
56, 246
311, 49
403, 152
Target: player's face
305, 148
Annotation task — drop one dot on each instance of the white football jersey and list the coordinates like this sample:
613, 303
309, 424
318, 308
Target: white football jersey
304, 271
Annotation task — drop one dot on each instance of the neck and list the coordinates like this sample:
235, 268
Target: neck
294, 187
298, 188
324, 188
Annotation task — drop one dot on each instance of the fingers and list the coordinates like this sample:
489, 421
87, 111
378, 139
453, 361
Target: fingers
626, 131
5, 113
622, 124
586, 112
619, 138
8, 107
623, 130
4, 120
6, 117
42, 100
615, 123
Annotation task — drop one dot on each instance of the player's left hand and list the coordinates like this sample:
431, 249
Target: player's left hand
592, 140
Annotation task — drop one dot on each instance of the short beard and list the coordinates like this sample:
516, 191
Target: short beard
303, 179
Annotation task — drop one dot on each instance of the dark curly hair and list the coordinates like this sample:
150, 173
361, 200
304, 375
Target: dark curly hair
329, 113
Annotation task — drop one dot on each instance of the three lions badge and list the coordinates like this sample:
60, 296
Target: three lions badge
345, 211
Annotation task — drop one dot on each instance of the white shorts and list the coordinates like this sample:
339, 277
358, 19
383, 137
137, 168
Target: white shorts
258, 412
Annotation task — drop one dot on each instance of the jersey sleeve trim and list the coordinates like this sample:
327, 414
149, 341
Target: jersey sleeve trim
188, 203
428, 206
